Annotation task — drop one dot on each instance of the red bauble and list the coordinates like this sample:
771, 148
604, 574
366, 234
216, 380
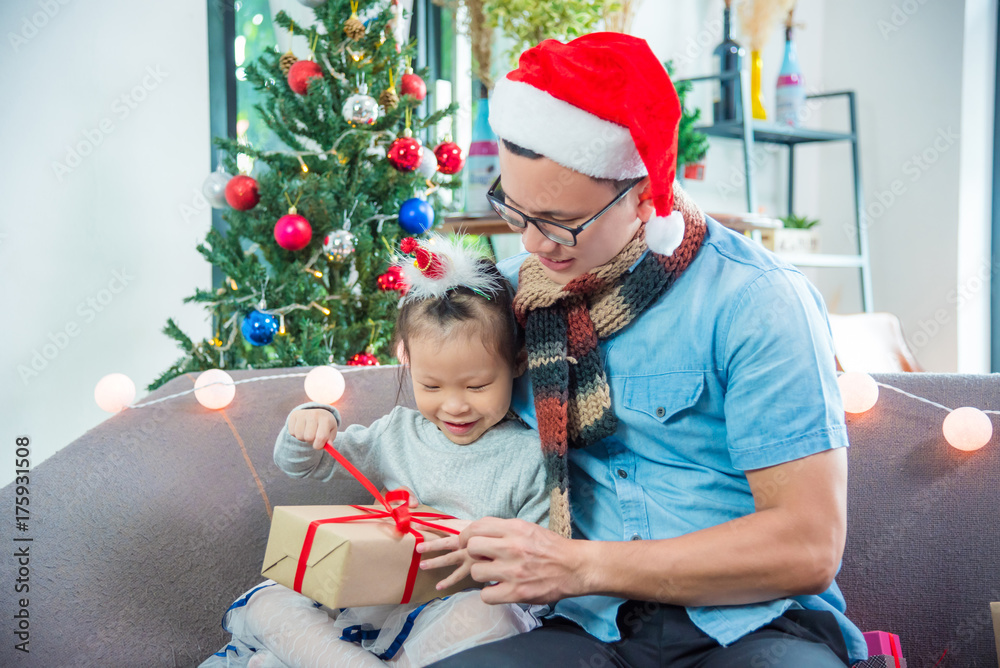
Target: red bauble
293, 232
301, 73
363, 359
449, 157
411, 84
241, 193
392, 279
404, 154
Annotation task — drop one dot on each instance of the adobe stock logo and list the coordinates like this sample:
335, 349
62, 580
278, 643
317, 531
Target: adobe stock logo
88, 309
30, 25
122, 108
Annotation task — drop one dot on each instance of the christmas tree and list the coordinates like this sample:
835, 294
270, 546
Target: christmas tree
312, 232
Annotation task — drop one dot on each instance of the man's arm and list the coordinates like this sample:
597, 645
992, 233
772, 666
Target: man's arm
791, 545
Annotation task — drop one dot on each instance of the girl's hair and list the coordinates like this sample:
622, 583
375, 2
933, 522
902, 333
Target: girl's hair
489, 313
617, 184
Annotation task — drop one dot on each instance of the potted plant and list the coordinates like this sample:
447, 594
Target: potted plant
525, 23
692, 145
799, 235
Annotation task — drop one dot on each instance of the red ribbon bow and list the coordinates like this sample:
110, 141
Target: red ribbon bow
400, 514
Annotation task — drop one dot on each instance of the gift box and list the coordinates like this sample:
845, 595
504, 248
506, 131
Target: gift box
884, 651
343, 556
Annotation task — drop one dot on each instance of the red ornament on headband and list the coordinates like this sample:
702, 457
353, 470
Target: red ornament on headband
443, 264
427, 262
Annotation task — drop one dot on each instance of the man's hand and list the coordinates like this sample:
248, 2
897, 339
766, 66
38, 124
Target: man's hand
313, 425
455, 556
529, 564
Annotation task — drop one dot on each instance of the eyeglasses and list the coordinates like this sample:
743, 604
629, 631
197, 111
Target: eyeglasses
561, 234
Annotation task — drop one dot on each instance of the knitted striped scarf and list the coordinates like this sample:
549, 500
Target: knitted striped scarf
563, 324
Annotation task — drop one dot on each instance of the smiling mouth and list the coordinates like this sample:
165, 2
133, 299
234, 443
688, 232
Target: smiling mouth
460, 428
554, 264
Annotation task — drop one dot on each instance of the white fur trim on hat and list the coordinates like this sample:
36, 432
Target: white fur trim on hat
568, 135
664, 234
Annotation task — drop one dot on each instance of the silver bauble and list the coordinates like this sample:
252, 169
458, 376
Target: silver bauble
339, 245
361, 108
428, 163
214, 188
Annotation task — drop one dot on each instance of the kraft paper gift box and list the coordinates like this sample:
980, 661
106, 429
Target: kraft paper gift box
356, 562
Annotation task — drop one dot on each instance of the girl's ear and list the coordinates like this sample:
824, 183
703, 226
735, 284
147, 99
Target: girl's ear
521, 363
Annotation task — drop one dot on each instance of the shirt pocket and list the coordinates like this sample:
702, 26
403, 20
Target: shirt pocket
664, 395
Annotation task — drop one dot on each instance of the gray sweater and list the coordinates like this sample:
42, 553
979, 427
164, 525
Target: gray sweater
502, 474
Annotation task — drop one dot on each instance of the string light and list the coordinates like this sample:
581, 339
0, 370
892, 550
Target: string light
324, 385
967, 429
231, 283
229, 385
281, 326
305, 167
322, 309
114, 392
859, 391
315, 272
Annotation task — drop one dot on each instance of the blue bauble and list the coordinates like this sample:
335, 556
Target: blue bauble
259, 328
416, 216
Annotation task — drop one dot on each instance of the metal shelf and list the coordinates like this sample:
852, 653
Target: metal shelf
748, 131
772, 133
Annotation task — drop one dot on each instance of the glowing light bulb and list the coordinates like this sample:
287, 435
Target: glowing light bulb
324, 385
214, 389
114, 392
967, 428
859, 391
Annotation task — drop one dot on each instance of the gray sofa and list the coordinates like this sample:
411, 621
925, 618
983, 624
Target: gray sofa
145, 528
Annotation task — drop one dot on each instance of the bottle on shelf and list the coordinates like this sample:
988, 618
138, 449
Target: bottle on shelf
790, 96
483, 164
728, 56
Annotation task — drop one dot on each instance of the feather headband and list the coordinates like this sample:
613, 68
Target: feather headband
444, 263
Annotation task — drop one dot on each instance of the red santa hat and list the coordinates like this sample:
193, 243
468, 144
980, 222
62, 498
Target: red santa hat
602, 105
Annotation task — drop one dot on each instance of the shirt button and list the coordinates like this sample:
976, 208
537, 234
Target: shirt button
622, 473
636, 536
660, 411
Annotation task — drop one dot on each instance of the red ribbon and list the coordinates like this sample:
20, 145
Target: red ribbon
400, 514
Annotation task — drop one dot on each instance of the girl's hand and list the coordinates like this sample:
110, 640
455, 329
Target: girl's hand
456, 556
313, 425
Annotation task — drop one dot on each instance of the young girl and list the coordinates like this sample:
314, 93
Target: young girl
458, 452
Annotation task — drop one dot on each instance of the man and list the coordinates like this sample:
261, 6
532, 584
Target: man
683, 385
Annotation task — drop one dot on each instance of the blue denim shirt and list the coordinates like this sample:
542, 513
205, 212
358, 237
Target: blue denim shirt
731, 369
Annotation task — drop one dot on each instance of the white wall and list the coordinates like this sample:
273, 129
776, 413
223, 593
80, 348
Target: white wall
915, 85
97, 254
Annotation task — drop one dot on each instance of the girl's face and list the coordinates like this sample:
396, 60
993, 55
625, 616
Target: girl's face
460, 385
545, 189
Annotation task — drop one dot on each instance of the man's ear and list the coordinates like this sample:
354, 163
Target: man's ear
521, 363
646, 209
